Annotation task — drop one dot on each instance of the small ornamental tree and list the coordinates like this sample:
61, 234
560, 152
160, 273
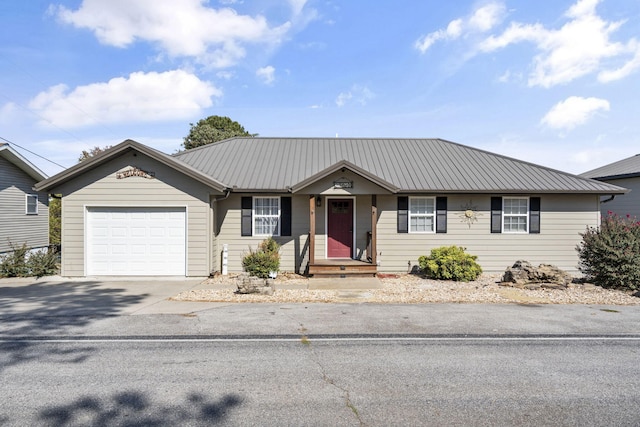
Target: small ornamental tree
450, 263
264, 260
610, 254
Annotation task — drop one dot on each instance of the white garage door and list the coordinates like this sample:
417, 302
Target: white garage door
136, 242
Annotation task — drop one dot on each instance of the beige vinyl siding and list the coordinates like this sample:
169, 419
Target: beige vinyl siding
15, 225
100, 188
562, 219
293, 250
624, 204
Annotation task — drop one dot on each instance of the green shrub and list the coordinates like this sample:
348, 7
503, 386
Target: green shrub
14, 263
610, 255
450, 263
264, 260
43, 263
20, 263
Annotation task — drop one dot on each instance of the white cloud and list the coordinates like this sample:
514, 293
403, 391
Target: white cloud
628, 68
215, 37
266, 74
357, 94
481, 20
225, 75
576, 49
574, 111
139, 97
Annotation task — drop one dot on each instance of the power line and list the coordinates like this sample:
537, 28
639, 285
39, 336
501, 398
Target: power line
35, 154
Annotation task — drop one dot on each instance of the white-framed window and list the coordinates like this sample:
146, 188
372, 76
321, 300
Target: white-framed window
266, 216
422, 214
515, 214
31, 204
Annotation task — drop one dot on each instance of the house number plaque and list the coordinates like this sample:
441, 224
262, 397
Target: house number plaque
134, 171
342, 183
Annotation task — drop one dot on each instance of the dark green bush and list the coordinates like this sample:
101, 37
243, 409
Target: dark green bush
43, 263
20, 263
450, 263
264, 260
610, 254
14, 263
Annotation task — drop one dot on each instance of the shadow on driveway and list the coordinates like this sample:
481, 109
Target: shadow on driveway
45, 309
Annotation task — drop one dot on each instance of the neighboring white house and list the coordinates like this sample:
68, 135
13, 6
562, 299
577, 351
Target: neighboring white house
24, 212
335, 205
624, 173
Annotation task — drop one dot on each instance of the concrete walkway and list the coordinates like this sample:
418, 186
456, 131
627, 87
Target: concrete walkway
345, 284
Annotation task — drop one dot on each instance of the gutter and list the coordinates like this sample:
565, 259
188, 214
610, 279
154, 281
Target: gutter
613, 196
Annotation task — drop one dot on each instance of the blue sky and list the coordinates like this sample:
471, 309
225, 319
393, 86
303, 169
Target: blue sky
552, 82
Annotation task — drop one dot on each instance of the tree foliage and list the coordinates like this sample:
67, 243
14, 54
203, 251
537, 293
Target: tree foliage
92, 152
213, 129
610, 255
55, 224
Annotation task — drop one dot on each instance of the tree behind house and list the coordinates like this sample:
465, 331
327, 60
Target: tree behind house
92, 152
213, 129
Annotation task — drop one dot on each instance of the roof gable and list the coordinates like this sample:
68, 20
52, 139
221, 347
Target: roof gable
406, 165
26, 166
343, 164
125, 146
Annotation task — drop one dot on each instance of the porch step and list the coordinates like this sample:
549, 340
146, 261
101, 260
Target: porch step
343, 270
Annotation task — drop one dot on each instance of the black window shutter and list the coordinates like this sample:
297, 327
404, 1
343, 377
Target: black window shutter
534, 215
441, 214
247, 211
403, 214
496, 214
285, 216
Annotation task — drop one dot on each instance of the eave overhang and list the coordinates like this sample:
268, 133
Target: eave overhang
344, 164
124, 147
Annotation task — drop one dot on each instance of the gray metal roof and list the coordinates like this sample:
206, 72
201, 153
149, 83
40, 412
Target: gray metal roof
410, 165
125, 146
25, 165
625, 168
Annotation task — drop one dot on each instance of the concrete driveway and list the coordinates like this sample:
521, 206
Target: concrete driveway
54, 306
56, 296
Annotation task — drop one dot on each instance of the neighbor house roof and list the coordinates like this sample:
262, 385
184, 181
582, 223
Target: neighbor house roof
26, 166
625, 168
400, 165
120, 149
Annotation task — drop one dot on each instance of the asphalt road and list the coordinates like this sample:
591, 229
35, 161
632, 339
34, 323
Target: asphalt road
122, 354
402, 381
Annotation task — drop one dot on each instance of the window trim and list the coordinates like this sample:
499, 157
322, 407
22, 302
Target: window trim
413, 215
255, 216
525, 215
26, 204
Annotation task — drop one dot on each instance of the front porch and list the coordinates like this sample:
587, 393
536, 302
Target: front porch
343, 267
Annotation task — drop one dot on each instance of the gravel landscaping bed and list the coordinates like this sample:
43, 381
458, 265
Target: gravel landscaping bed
410, 289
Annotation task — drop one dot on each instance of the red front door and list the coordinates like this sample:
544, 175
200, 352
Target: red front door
339, 228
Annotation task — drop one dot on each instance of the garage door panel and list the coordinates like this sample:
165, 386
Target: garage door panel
157, 232
136, 241
138, 232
